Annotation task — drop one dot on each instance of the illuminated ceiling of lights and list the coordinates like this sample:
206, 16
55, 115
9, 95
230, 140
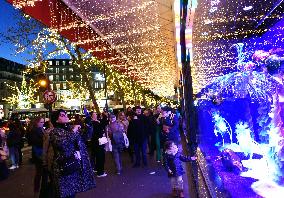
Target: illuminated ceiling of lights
141, 31
134, 37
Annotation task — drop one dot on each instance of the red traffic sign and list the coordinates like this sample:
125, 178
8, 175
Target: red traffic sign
49, 96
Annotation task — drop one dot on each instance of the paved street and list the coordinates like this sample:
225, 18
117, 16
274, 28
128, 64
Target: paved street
151, 182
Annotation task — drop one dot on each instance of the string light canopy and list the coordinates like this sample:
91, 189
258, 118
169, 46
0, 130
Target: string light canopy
137, 38
220, 24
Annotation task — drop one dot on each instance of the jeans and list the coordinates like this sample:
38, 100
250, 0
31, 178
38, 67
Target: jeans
14, 155
138, 148
116, 151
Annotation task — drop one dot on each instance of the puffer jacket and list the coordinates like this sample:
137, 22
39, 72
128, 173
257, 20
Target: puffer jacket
174, 163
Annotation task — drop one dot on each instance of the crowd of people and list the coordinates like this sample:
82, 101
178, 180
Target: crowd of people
68, 154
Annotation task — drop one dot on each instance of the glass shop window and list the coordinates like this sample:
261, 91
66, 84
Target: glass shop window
50, 77
64, 85
58, 86
237, 74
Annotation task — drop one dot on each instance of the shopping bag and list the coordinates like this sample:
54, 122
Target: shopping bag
126, 141
108, 145
103, 140
3, 155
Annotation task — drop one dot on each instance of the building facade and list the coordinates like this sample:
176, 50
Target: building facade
10, 72
61, 74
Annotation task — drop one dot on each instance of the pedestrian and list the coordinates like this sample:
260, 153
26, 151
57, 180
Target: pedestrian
115, 131
123, 120
130, 134
170, 126
150, 130
67, 157
4, 172
137, 130
98, 148
173, 164
46, 187
13, 142
158, 130
21, 144
129, 113
36, 140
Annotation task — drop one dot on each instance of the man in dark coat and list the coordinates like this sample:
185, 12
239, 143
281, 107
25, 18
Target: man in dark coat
138, 132
97, 149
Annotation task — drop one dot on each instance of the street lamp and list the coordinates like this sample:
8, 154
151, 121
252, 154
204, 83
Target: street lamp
43, 83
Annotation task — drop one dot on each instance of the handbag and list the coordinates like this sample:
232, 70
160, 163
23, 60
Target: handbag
68, 165
108, 146
103, 140
126, 141
3, 155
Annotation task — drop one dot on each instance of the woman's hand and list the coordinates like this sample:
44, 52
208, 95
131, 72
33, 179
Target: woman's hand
76, 128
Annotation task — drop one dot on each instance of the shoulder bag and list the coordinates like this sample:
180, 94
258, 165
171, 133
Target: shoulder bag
3, 155
69, 164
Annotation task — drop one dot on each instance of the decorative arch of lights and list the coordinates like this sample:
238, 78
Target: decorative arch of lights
136, 37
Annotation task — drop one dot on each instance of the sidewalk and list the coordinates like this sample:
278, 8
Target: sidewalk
150, 182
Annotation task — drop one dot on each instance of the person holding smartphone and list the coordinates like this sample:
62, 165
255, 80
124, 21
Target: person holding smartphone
66, 154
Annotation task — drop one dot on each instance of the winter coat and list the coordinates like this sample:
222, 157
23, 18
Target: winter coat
14, 138
174, 163
137, 130
36, 140
62, 142
98, 132
150, 125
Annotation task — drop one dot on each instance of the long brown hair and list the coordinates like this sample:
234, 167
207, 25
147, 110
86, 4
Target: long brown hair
35, 121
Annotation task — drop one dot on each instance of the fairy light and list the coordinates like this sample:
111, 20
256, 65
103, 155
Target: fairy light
22, 97
25, 3
134, 29
130, 24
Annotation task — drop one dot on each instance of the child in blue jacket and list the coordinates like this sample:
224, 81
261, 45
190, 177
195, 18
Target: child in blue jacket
173, 164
